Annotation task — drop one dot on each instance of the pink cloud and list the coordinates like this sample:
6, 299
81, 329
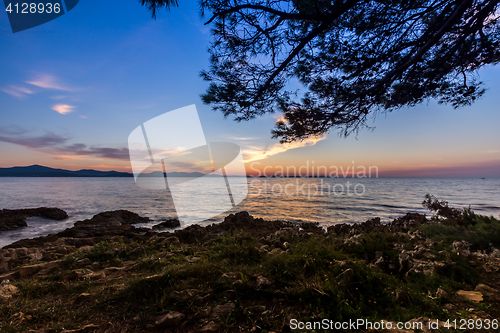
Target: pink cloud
63, 108
16, 91
49, 82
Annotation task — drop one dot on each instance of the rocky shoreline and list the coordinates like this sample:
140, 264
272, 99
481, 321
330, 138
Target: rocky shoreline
248, 274
11, 219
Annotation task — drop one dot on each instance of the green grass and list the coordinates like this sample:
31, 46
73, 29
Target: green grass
482, 233
303, 274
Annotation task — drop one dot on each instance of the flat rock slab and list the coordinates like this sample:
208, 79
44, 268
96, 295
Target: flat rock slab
474, 296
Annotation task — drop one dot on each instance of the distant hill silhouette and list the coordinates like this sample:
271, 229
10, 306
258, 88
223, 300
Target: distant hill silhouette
43, 171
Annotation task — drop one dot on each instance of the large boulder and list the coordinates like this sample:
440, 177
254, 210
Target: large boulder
107, 223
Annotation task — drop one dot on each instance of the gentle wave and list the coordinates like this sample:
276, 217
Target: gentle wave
386, 198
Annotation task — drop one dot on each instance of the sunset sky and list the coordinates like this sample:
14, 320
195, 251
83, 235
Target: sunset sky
73, 89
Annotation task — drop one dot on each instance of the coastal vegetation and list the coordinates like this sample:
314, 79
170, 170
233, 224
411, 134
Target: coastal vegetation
251, 275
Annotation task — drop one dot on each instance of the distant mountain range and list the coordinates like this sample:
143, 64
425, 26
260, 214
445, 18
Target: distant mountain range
43, 171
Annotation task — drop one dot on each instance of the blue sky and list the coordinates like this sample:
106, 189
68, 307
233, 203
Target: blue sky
73, 89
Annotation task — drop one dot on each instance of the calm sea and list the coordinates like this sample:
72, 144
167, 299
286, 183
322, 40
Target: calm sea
324, 200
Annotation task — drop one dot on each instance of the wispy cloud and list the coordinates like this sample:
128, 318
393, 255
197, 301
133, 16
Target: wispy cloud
57, 145
45, 81
81, 149
18, 136
241, 138
17, 91
63, 108
59, 97
48, 81
259, 153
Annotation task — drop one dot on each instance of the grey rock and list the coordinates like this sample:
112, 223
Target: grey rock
211, 327
222, 310
170, 319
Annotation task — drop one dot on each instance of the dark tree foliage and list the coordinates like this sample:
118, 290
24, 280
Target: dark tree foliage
153, 6
441, 207
354, 58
